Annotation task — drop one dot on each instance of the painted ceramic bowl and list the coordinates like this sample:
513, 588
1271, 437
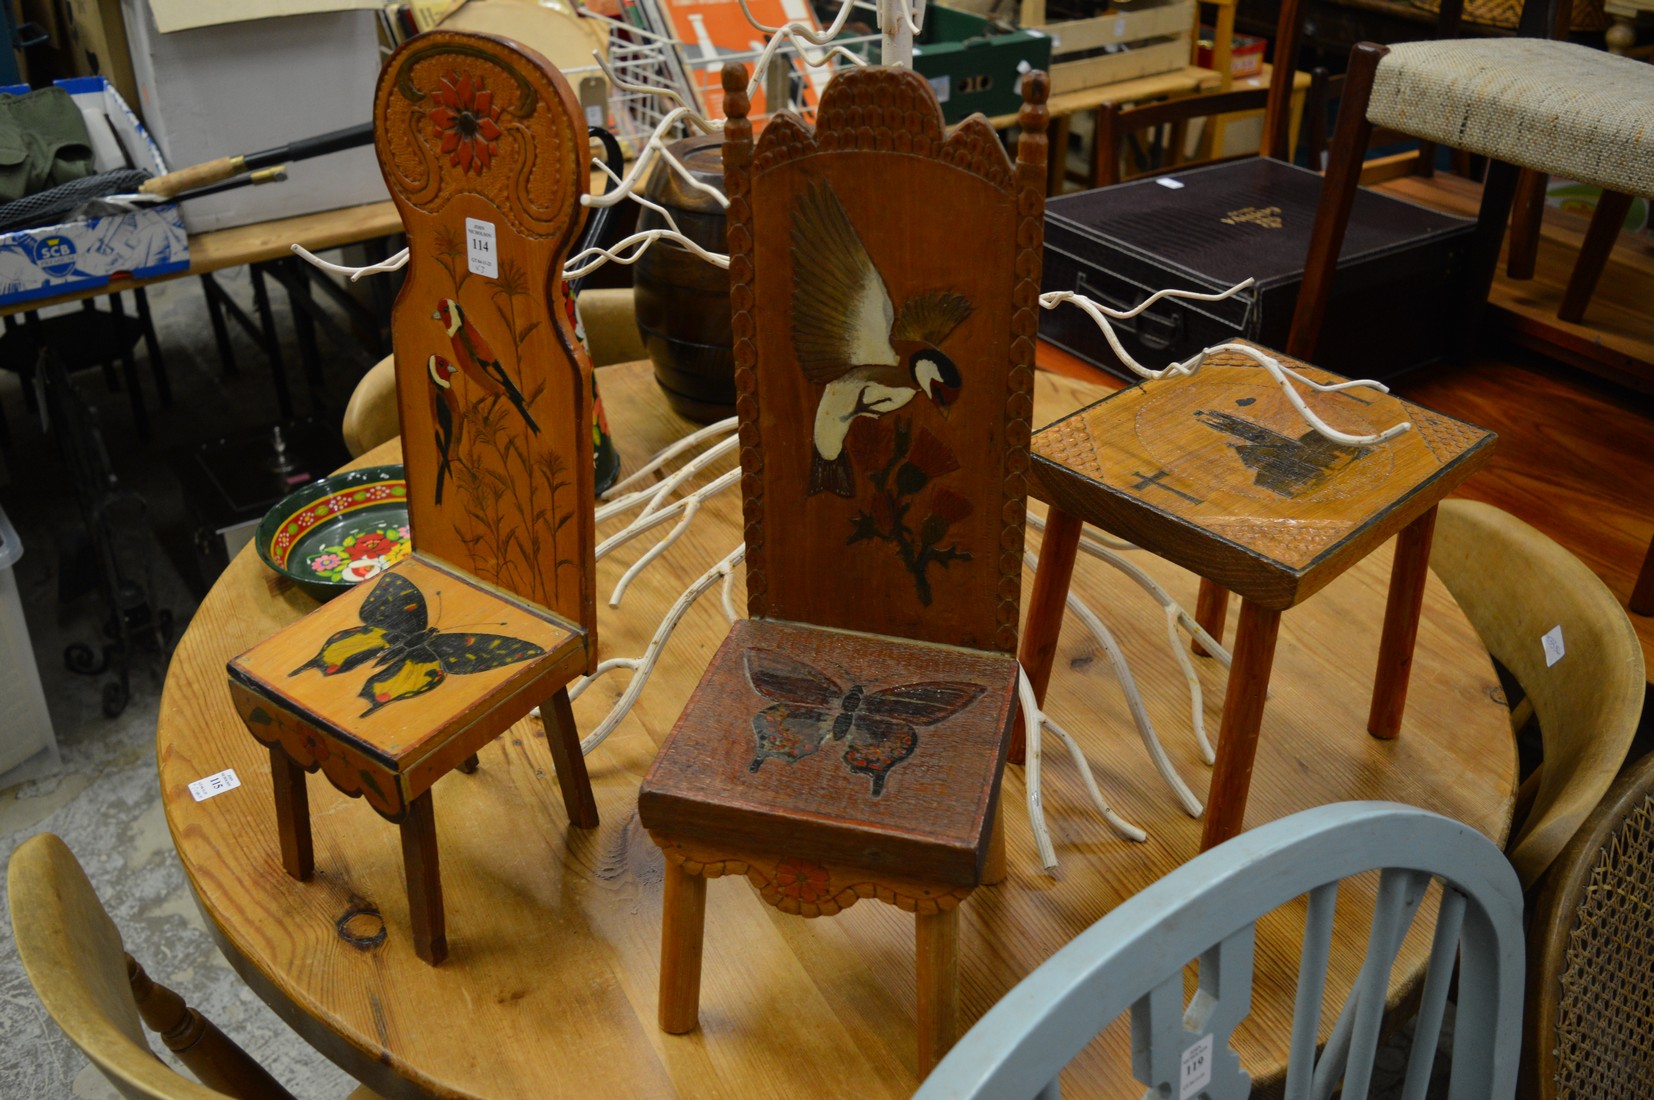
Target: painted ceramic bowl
339, 531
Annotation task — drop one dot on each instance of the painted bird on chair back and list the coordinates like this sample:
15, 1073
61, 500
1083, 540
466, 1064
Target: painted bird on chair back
849, 337
478, 360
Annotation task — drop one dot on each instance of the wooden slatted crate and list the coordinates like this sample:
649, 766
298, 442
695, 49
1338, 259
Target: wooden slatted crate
1153, 36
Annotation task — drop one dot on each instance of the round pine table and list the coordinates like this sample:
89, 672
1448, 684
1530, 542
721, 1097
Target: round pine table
549, 988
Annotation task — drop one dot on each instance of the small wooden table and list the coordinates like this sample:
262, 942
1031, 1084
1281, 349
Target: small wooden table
550, 985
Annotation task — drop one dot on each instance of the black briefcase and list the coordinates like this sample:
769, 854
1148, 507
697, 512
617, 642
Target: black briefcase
1393, 306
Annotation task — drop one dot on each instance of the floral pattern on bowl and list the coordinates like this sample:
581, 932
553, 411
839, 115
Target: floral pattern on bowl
339, 531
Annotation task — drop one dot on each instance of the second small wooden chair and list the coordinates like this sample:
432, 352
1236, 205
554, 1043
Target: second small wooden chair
393, 685
847, 740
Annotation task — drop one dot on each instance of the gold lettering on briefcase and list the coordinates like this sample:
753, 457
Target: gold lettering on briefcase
1268, 217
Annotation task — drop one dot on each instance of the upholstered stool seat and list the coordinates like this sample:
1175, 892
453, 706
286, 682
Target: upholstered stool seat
1561, 108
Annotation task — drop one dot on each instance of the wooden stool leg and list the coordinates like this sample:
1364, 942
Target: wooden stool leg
1242, 716
1401, 626
1642, 596
682, 922
1526, 224
470, 764
1211, 609
419, 861
1045, 607
937, 939
292, 815
1593, 255
564, 738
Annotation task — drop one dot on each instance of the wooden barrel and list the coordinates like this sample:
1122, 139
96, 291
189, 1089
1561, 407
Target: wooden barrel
683, 301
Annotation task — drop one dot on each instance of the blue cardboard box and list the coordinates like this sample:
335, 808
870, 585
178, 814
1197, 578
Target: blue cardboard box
38, 263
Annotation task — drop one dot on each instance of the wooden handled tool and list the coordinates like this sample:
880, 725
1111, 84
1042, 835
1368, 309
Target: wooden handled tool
213, 171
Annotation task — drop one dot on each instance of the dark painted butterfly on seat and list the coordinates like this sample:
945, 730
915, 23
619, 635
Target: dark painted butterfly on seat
809, 706
414, 656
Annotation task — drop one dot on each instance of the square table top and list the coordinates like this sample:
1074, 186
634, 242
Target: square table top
1217, 472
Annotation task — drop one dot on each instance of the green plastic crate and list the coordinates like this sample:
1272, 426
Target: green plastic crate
972, 65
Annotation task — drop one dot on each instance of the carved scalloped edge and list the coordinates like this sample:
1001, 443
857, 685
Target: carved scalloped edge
1019, 398
887, 111
844, 886
277, 728
738, 184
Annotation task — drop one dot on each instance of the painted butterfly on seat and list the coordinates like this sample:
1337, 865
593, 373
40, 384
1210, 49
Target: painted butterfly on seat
414, 656
809, 706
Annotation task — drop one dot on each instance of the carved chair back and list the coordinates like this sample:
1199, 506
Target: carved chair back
884, 277
483, 148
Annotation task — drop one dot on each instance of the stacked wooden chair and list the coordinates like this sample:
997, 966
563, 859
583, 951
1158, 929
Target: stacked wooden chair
847, 739
405, 678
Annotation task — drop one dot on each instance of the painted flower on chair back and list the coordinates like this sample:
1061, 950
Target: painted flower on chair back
467, 122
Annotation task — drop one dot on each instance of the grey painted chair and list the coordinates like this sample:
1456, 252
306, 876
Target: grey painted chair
1134, 957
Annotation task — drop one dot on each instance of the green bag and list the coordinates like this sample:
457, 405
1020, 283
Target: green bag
43, 142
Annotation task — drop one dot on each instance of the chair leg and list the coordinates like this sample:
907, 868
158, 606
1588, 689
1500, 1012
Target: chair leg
682, 924
470, 764
1045, 608
1408, 574
1498, 191
292, 815
1332, 215
419, 862
1243, 705
564, 738
1593, 255
1211, 610
1642, 596
937, 942
1526, 217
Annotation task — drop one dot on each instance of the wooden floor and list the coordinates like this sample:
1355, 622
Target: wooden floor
1576, 453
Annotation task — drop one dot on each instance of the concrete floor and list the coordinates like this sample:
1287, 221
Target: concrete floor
104, 800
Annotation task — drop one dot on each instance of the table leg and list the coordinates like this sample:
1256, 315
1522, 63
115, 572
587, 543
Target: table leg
1242, 716
1211, 609
1045, 607
292, 815
419, 861
682, 923
1401, 626
937, 940
470, 764
564, 738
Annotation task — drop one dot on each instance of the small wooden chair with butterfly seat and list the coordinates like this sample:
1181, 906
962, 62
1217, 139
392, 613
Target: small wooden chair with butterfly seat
847, 740
397, 682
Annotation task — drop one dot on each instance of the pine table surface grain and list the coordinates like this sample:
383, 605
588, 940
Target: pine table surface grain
549, 989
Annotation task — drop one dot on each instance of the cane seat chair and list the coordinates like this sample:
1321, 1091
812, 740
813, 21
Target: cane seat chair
72, 953
1134, 958
407, 676
847, 739
1518, 587
1591, 953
